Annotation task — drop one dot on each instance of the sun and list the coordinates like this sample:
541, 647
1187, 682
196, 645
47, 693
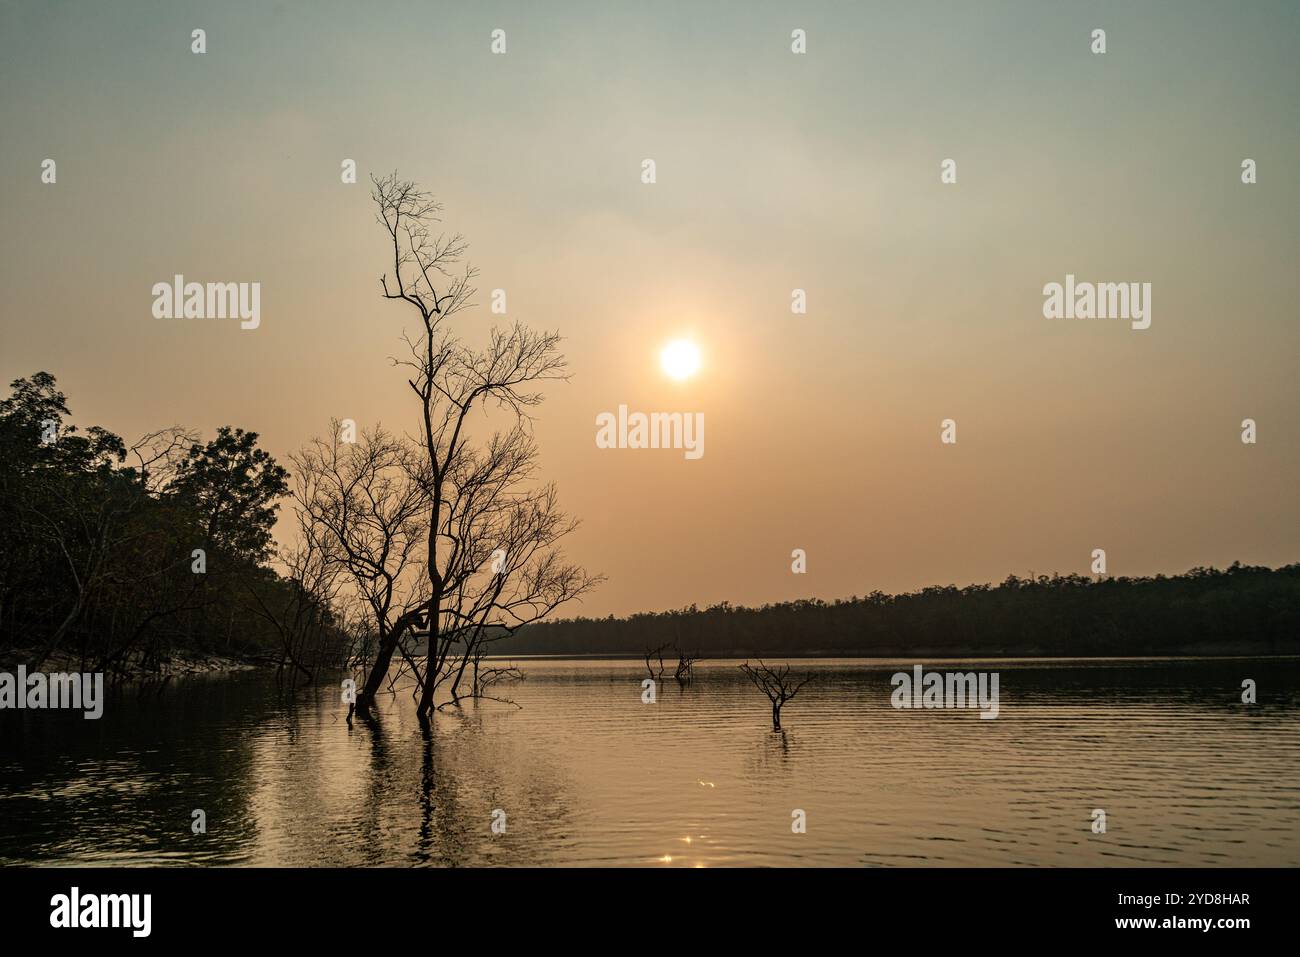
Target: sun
680, 359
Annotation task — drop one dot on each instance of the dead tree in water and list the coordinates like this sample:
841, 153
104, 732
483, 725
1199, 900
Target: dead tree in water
491, 552
777, 684
685, 665
363, 504
652, 653
485, 678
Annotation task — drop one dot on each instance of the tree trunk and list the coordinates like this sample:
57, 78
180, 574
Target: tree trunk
431, 661
378, 670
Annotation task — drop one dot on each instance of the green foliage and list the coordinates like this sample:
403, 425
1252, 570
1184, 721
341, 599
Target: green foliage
232, 486
96, 561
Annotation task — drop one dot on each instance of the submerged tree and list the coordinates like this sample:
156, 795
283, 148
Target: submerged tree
657, 651
777, 684
490, 555
685, 665
363, 505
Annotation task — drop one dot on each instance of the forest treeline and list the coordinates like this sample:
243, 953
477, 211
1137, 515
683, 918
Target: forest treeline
1239, 610
124, 556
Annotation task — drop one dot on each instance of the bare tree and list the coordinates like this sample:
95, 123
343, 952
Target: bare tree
359, 632
485, 677
777, 684
303, 610
652, 653
362, 506
490, 556
160, 454
685, 665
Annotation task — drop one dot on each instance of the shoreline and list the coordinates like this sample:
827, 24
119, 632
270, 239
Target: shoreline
909, 659
189, 665
132, 670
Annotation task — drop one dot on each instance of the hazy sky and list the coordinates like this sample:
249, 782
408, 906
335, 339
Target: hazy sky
775, 171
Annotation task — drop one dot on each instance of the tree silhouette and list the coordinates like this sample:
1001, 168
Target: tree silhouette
777, 684
491, 553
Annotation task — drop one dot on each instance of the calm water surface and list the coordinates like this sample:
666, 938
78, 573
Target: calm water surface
588, 775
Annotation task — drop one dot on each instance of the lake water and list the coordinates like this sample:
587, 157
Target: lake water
586, 774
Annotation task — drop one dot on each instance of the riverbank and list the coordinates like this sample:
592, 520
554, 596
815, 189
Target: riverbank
133, 668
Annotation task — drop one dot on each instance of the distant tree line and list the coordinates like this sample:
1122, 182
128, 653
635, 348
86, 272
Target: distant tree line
125, 556
1240, 610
